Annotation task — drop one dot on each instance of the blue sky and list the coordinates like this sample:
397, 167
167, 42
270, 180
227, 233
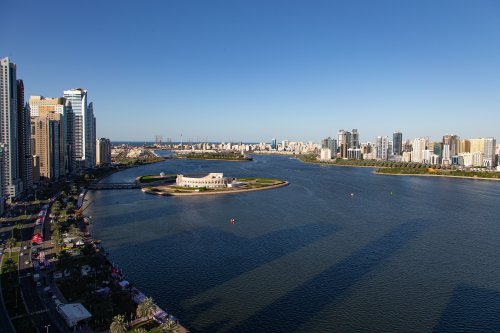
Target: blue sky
254, 70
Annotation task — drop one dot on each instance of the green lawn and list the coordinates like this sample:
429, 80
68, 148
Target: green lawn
154, 178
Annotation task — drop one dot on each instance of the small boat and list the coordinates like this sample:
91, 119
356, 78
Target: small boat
231, 221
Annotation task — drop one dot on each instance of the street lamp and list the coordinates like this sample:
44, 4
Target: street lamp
47, 327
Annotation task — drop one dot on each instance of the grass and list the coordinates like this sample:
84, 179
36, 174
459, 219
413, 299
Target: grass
154, 178
216, 156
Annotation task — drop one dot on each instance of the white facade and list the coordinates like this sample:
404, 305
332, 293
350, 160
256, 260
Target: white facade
418, 147
81, 128
382, 147
211, 180
326, 154
103, 151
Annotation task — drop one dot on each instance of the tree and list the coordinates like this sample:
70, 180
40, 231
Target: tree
74, 190
146, 309
169, 326
140, 330
70, 208
10, 243
118, 325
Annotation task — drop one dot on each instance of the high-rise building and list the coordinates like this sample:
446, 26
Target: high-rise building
354, 139
344, 137
273, 143
81, 130
25, 159
11, 182
463, 146
419, 145
327, 149
103, 151
48, 107
382, 147
451, 140
489, 152
397, 143
48, 138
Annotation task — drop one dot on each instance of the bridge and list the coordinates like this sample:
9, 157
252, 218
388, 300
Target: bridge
113, 186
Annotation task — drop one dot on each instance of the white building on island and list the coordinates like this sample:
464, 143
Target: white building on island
211, 180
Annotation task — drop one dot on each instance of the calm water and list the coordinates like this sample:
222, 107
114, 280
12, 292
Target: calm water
404, 254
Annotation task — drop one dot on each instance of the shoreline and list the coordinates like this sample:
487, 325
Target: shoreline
191, 194
399, 174
89, 229
430, 175
212, 159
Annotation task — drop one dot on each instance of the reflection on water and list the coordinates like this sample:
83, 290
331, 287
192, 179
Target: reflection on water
402, 254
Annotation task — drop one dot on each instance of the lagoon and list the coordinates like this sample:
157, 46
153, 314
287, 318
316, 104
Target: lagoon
401, 254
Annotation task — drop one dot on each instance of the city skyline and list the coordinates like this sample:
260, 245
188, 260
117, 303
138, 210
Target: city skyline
252, 72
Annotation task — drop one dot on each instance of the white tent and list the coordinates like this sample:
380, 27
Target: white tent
73, 313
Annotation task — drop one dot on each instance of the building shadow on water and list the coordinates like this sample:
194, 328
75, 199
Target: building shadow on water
471, 309
326, 289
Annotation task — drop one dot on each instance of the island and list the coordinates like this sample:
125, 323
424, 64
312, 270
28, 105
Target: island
214, 156
204, 184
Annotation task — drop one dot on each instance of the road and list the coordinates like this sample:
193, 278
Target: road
34, 296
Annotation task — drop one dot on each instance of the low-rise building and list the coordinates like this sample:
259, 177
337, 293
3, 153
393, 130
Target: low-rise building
211, 180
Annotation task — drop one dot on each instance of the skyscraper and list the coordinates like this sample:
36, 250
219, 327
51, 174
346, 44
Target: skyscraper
397, 143
327, 146
48, 138
451, 140
25, 158
103, 151
10, 186
418, 147
354, 139
81, 130
273, 143
382, 146
48, 107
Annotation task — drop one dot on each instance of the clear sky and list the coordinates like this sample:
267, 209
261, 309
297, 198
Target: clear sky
252, 70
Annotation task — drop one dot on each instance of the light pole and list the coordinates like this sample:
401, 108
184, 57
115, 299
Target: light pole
47, 328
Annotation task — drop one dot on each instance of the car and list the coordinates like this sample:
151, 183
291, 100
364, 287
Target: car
25, 248
27, 262
21, 254
28, 274
38, 284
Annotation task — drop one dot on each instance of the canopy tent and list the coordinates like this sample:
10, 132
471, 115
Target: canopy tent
73, 313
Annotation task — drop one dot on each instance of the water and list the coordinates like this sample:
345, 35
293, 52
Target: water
403, 254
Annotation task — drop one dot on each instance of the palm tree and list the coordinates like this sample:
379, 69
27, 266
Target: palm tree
169, 326
10, 243
140, 330
118, 325
146, 309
